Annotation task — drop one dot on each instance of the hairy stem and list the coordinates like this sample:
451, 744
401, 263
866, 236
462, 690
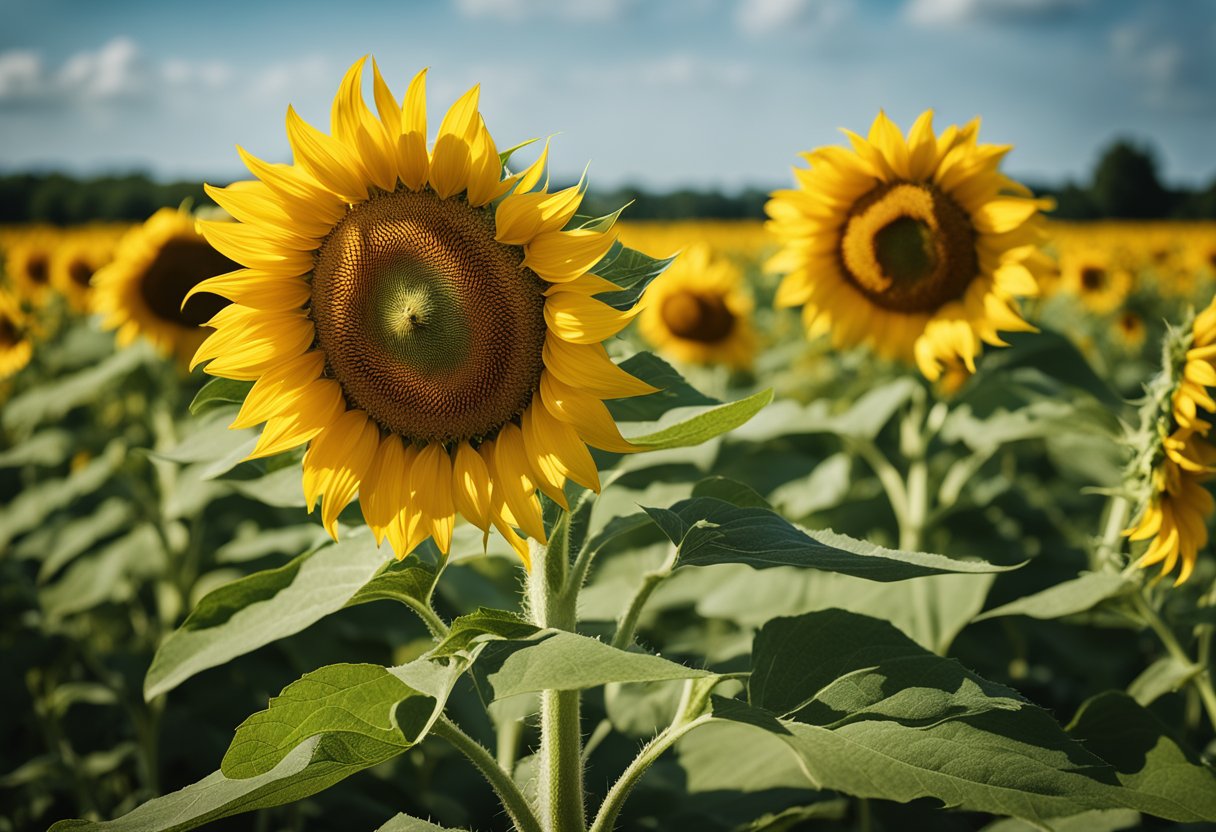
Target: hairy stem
512, 798
560, 786
628, 623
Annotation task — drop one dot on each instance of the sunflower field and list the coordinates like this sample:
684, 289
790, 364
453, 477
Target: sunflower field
395, 491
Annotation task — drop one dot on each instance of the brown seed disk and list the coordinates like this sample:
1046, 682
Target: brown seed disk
178, 267
432, 327
919, 247
1093, 278
38, 268
10, 335
696, 317
80, 272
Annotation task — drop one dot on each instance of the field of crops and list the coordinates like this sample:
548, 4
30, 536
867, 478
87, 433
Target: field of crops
397, 494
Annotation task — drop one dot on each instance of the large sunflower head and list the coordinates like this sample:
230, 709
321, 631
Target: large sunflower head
919, 247
426, 324
15, 345
697, 311
148, 288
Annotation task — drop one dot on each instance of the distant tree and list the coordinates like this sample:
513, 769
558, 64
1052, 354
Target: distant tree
1126, 186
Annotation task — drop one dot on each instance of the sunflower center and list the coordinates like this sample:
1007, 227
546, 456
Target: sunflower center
80, 272
38, 269
10, 335
178, 267
1093, 278
697, 317
909, 247
432, 328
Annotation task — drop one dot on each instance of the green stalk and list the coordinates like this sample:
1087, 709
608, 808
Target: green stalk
512, 798
1201, 681
560, 774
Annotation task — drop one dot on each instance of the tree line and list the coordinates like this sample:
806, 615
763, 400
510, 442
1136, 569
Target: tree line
1125, 184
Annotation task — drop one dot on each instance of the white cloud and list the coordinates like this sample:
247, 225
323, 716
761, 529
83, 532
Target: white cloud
764, 17
685, 70
953, 12
115, 72
517, 10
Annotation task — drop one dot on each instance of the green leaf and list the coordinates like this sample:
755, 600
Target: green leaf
33, 505
219, 392
349, 701
280, 541
833, 667
1164, 777
1069, 598
604, 223
47, 447
705, 425
61, 544
113, 573
709, 531
54, 399
863, 419
405, 823
632, 271
312, 766
730, 491
673, 391
931, 611
1166, 675
211, 441
1045, 352
283, 488
558, 660
266, 606
482, 625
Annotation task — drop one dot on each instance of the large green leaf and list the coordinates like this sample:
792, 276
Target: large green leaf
689, 430
1068, 598
673, 391
256, 610
358, 701
49, 446
558, 660
1167, 779
832, 667
863, 419
709, 531
405, 823
312, 766
113, 573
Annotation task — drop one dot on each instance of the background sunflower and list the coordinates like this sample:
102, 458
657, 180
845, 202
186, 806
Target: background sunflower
919, 247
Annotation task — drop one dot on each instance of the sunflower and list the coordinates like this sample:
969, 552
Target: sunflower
697, 311
15, 346
28, 263
73, 265
148, 289
427, 326
1130, 329
1175, 521
1094, 276
918, 247
1176, 512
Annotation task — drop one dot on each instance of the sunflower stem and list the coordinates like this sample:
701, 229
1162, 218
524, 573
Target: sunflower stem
521, 814
560, 786
628, 624
1201, 681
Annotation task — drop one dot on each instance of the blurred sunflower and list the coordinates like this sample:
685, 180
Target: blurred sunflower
1094, 276
697, 311
15, 345
1130, 329
426, 324
148, 287
919, 247
73, 265
1175, 514
28, 263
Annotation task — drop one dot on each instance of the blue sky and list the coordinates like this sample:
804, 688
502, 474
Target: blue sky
701, 93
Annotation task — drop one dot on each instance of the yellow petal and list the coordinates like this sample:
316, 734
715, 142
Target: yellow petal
560, 256
514, 477
580, 319
326, 159
413, 163
588, 367
336, 462
586, 414
431, 488
471, 486
320, 404
451, 159
549, 438
279, 389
